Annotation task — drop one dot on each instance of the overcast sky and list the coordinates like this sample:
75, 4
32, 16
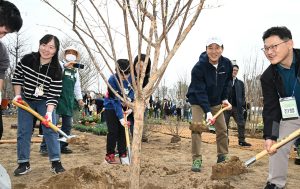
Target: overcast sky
240, 24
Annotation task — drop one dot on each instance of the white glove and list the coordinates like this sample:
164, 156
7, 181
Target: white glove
209, 117
128, 112
17, 98
123, 122
48, 116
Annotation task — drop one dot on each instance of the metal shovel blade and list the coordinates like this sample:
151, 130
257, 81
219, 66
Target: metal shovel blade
67, 139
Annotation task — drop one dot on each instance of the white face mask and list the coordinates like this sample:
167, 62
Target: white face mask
71, 57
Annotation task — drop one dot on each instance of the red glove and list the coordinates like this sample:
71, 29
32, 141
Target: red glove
18, 99
48, 118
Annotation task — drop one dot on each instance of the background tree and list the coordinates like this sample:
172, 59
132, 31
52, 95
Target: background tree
254, 66
17, 45
151, 27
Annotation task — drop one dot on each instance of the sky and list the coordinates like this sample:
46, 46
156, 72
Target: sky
239, 23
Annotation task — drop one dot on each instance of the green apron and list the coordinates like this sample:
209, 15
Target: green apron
66, 100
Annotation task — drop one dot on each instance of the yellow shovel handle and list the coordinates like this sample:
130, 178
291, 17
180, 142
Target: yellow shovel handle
26, 107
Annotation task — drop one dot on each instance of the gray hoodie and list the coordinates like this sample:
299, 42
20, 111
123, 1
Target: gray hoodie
4, 60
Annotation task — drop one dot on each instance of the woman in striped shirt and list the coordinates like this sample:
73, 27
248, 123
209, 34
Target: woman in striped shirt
38, 81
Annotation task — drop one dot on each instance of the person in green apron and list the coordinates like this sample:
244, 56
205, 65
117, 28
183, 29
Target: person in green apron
71, 90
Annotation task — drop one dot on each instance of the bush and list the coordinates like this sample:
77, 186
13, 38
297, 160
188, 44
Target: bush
99, 129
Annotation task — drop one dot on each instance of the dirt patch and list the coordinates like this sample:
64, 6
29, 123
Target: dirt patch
164, 165
231, 167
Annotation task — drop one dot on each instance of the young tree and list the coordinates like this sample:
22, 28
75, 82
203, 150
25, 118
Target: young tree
147, 26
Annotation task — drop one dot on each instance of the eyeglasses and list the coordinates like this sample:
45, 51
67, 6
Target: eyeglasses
272, 47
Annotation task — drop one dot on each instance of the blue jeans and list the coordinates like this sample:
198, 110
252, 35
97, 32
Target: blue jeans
66, 128
25, 120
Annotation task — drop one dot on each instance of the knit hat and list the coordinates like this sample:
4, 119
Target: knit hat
124, 66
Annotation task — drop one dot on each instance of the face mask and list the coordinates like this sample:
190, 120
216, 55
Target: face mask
71, 57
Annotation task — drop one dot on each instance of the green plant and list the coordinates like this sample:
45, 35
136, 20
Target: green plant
99, 129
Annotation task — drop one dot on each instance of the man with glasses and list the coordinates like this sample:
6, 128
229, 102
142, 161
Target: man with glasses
206, 94
236, 96
281, 93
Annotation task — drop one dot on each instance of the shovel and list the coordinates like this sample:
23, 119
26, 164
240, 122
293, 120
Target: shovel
127, 127
22, 104
235, 167
277, 145
213, 120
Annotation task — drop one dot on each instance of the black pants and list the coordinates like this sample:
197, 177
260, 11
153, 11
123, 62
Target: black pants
240, 122
1, 123
116, 133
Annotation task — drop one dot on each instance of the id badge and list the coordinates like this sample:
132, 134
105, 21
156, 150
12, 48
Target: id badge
288, 107
36, 92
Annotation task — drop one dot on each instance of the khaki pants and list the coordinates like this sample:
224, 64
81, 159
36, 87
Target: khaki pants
221, 131
278, 162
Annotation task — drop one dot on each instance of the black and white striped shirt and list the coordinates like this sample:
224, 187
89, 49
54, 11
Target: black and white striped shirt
30, 74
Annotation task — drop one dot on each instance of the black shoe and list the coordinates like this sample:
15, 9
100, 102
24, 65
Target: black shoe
244, 144
57, 167
22, 169
66, 150
271, 186
44, 152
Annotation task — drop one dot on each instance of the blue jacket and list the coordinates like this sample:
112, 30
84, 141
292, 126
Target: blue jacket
209, 85
114, 103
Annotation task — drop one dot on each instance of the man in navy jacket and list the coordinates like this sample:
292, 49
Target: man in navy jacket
206, 94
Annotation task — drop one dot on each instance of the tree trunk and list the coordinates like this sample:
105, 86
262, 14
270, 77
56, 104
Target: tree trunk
139, 108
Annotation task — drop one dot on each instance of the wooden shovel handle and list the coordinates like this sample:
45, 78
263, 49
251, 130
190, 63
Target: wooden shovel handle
223, 108
280, 143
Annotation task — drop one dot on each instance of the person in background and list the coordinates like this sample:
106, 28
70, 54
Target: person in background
236, 96
139, 63
114, 113
100, 106
157, 108
87, 99
179, 106
207, 93
280, 84
71, 89
186, 110
10, 21
37, 80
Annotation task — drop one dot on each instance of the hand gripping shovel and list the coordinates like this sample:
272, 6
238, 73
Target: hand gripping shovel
213, 120
22, 104
277, 145
205, 126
